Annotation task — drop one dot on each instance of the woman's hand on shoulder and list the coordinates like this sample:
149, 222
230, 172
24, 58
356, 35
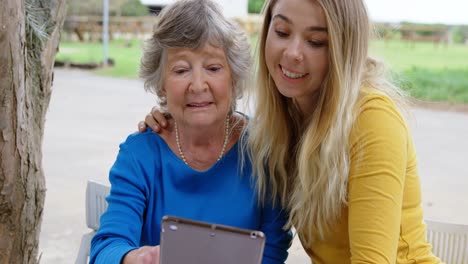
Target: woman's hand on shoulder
143, 255
155, 120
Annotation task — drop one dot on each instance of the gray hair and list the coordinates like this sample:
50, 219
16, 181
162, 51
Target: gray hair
192, 24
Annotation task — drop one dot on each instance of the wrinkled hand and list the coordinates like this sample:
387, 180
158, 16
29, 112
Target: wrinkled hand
143, 255
155, 120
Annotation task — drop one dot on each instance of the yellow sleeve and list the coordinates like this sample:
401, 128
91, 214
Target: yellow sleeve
378, 155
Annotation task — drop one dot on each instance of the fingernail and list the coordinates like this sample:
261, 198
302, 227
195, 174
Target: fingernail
155, 127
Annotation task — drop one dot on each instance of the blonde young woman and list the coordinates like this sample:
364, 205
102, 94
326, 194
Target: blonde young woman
329, 130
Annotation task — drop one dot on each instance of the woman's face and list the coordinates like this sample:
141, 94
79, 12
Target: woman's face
296, 49
198, 85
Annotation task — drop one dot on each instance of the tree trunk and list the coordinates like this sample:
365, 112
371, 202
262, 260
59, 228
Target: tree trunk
29, 36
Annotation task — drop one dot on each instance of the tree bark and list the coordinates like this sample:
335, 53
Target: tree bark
26, 74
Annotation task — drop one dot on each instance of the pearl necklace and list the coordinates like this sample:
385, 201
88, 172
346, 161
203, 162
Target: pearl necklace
226, 138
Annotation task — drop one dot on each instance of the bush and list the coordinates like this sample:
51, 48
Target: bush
134, 8
116, 8
460, 34
255, 6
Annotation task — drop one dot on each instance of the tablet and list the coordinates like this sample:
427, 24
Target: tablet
189, 241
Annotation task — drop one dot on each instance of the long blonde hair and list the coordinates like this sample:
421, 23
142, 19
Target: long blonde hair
304, 162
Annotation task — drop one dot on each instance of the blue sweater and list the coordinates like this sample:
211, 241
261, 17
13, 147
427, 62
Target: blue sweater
149, 181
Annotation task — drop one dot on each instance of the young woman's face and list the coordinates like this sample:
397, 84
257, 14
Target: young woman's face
198, 85
296, 49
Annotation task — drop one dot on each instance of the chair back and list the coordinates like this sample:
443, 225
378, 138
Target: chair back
449, 241
96, 203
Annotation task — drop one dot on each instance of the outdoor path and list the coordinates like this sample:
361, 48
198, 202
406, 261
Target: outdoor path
90, 115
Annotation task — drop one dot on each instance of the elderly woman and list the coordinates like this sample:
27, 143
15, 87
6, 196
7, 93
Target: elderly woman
197, 64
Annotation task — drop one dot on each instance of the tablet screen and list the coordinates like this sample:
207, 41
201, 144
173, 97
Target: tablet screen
188, 241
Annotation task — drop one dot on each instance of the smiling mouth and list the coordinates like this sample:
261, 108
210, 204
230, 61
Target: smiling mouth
292, 75
199, 104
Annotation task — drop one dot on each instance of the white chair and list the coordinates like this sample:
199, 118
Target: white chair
96, 205
449, 241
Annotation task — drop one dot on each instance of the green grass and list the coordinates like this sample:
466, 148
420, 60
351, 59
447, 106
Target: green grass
126, 55
400, 55
427, 71
440, 85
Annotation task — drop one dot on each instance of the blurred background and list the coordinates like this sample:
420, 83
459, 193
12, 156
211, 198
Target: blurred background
424, 42
94, 107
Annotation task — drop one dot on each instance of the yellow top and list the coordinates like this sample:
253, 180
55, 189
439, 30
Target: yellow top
383, 222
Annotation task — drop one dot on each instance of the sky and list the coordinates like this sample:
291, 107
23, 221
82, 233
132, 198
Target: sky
452, 12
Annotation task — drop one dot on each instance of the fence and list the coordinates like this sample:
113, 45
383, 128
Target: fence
89, 28
415, 33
